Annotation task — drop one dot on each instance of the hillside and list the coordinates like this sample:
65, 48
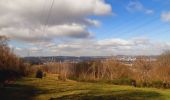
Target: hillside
51, 88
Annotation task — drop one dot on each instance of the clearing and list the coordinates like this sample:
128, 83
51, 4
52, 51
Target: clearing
51, 88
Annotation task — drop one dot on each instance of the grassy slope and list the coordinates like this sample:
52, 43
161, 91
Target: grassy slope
49, 87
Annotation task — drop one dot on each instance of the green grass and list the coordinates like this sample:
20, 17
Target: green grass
51, 88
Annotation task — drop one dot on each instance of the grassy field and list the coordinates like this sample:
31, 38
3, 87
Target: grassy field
51, 88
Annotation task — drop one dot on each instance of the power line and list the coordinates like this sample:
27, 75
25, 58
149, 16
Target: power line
142, 26
153, 30
129, 32
48, 16
43, 8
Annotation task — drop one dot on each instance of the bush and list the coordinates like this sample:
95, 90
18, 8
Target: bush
11, 66
44, 74
122, 81
157, 84
7, 74
39, 74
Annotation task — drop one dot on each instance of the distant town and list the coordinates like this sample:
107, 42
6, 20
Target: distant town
126, 59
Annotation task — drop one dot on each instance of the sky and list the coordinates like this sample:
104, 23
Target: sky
86, 27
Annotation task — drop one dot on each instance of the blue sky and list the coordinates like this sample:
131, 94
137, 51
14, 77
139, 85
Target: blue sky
86, 27
127, 24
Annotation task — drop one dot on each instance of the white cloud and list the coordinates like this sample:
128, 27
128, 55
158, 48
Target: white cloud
165, 16
18, 49
24, 20
67, 31
136, 6
35, 49
105, 47
141, 40
114, 42
93, 22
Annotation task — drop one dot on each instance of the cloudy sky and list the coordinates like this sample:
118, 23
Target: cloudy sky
86, 27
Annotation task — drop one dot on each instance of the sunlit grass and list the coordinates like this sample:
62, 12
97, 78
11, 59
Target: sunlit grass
51, 88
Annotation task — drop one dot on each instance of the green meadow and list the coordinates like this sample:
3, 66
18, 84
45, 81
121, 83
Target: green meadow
50, 88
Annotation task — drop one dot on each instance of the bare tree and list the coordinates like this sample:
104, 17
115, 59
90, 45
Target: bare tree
11, 66
142, 69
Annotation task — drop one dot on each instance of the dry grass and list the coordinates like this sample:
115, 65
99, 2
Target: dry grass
51, 88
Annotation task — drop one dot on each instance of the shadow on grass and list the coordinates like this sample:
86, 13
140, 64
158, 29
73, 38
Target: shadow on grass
25, 92
19, 92
121, 95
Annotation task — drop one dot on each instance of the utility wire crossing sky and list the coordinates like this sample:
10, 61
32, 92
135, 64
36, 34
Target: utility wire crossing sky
86, 27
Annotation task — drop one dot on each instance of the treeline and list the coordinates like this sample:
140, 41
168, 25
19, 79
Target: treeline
11, 66
89, 70
143, 72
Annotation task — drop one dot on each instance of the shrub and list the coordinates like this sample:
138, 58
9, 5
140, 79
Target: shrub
39, 74
11, 67
122, 81
157, 84
7, 74
44, 74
